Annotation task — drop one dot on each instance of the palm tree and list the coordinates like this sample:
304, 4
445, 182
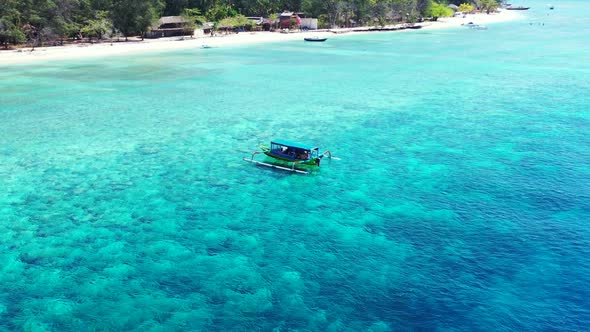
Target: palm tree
489, 5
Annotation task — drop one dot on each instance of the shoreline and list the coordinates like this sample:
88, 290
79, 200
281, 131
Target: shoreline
74, 51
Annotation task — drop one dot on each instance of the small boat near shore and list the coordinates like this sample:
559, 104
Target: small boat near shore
474, 26
517, 8
289, 155
315, 39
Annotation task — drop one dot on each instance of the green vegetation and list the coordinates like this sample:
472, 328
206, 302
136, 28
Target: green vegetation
193, 15
10, 33
39, 22
488, 5
437, 10
236, 21
97, 27
466, 8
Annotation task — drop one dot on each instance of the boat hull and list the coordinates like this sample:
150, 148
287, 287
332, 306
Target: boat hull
313, 162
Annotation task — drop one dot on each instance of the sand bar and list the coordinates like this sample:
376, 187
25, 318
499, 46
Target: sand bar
44, 54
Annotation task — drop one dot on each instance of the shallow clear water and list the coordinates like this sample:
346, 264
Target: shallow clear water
461, 202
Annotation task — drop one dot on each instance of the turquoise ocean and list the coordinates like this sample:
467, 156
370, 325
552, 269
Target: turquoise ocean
461, 201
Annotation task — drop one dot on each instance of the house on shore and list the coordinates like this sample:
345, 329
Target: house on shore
308, 23
269, 24
299, 20
289, 20
208, 27
170, 26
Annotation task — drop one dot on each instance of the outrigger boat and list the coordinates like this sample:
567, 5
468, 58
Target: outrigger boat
315, 39
517, 8
290, 154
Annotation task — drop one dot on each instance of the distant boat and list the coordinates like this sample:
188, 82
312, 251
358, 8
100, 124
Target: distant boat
551, 7
474, 26
205, 46
518, 8
315, 39
290, 154
413, 27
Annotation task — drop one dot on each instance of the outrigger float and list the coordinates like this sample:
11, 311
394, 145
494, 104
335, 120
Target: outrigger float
292, 154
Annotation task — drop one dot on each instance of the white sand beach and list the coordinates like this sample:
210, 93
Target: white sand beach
86, 50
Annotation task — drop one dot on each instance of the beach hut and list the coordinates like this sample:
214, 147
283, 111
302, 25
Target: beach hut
287, 19
269, 24
208, 27
170, 26
258, 22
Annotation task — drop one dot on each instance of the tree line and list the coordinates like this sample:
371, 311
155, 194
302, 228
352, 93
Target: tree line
40, 22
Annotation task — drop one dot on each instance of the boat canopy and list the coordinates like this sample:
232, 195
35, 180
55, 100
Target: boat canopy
293, 144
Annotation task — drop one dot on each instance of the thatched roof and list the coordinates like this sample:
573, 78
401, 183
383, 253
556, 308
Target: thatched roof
171, 20
208, 25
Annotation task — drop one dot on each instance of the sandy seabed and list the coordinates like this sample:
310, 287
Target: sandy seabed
120, 48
